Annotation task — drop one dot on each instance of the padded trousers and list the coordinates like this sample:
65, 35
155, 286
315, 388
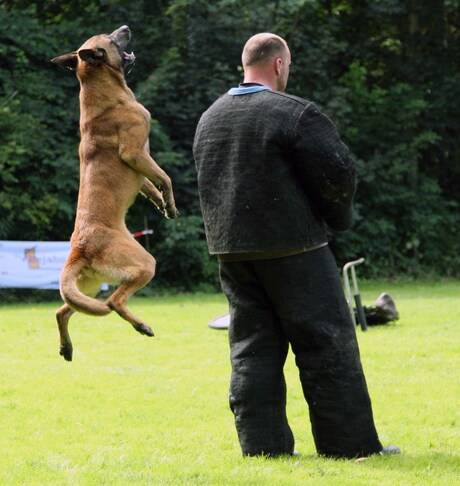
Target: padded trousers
298, 301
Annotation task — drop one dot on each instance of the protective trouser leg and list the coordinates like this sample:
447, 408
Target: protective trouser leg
258, 353
306, 293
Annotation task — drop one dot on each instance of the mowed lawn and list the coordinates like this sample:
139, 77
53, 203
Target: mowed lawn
132, 410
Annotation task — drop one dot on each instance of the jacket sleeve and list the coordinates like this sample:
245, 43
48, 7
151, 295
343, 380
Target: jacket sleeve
325, 167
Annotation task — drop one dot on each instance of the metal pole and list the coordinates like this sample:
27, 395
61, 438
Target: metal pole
356, 295
348, 293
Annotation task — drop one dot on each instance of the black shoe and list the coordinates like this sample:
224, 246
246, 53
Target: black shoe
389, 450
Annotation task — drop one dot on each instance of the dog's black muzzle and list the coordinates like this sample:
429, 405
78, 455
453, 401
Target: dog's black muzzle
121, 38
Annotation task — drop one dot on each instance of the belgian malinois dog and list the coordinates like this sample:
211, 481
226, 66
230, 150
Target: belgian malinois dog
115, 165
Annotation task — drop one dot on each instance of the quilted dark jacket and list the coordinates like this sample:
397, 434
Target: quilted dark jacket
272, 171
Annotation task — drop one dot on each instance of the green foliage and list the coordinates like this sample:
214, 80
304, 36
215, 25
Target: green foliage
197, 269
387, 73
419, 231
38, 128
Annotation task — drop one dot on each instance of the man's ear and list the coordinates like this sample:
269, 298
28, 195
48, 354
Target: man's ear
69, 61
91, 56
278, 64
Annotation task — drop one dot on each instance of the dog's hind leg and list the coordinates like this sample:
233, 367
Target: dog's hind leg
138, 269
89, 286
63, 315
117, 301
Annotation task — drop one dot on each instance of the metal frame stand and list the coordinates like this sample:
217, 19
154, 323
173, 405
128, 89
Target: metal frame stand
357, 297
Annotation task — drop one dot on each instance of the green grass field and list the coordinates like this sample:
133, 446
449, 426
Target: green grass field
153, 411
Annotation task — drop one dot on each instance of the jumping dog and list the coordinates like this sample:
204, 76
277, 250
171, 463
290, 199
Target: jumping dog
115, 165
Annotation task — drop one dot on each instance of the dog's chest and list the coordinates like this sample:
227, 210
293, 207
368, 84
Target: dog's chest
98, 139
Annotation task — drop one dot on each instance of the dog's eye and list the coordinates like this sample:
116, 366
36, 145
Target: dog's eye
101, 50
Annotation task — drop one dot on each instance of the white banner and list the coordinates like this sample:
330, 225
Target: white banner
32, 264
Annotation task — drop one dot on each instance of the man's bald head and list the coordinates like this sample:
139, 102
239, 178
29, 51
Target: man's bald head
262, 48
266, 59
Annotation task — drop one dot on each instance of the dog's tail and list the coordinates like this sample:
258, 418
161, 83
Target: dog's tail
70, 292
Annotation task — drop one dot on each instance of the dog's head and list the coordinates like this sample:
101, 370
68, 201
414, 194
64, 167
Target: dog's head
98, 51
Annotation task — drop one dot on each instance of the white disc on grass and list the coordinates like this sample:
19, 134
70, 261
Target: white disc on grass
220, 322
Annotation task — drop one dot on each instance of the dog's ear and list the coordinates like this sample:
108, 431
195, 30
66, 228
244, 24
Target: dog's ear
69, 61
92, 56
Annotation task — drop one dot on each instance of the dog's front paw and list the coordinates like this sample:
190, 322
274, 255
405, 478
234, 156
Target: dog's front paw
171, 212
158, 203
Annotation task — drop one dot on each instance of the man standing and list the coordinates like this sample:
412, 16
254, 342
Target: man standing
272, 173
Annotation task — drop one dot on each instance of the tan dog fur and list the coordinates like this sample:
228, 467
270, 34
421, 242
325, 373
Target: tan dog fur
115, 165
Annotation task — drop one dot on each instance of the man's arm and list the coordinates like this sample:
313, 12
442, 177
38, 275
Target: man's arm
325, 167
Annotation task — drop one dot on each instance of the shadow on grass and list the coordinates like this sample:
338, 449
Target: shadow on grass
404, 461
444, 463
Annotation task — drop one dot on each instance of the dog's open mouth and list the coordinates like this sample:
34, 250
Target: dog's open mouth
121, 37
128, 58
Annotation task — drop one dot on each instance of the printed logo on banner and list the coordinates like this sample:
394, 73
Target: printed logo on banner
32, 264
31, 257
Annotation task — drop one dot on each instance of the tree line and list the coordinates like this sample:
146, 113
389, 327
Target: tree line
385, 71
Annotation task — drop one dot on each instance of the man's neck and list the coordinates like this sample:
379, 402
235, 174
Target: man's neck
250, 84
259, 79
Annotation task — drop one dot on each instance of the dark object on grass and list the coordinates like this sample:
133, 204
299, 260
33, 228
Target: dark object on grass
383, 312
